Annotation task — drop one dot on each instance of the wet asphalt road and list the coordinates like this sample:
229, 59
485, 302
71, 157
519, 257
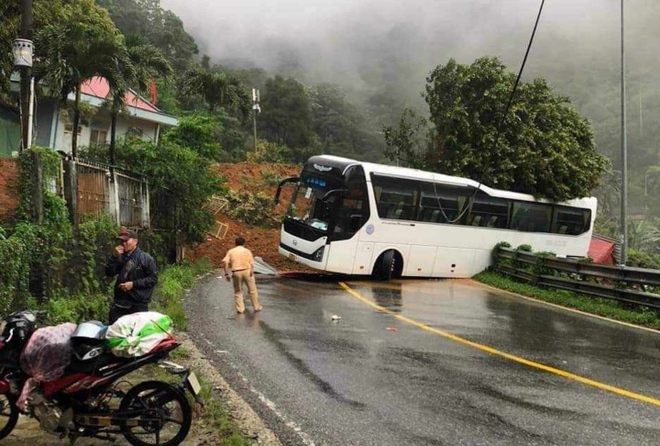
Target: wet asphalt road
373, 378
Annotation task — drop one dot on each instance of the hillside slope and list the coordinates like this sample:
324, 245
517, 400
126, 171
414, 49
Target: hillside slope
263, 241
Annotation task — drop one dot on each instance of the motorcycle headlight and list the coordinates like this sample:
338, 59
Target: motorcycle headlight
318, 255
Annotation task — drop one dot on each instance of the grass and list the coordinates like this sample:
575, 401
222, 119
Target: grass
218, 418
170, 294
643, 316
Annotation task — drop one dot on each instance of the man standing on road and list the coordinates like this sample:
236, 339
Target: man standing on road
240, 262
137, 276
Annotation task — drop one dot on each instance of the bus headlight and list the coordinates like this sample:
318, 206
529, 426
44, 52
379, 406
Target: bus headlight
318, 255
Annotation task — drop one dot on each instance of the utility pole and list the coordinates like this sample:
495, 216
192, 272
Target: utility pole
22, 50
624, 153
256, 108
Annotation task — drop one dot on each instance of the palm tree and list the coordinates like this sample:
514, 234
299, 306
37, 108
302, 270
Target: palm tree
140, 64
218, 90
75, 53
643, 235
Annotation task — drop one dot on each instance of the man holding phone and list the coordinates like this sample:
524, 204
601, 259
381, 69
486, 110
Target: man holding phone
136, 273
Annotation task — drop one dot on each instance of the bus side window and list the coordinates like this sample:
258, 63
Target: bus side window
571, 221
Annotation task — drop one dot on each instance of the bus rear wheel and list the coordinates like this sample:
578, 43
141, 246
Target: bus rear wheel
388, 266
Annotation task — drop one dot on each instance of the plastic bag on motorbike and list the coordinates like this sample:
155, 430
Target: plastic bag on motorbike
137, 334
48, 352
45, 356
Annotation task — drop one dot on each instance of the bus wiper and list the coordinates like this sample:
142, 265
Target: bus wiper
276, 201
332, 192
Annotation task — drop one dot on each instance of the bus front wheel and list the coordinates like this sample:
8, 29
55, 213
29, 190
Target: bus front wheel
389, 265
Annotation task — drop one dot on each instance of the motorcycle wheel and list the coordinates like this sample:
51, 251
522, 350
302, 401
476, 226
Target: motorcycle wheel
8, 415
159, 414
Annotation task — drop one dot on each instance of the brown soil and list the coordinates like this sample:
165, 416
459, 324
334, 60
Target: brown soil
262, 241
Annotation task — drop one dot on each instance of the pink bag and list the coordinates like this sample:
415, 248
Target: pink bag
45, 356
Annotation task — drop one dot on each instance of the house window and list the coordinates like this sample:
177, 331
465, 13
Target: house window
136, 132
68, 128
98, 136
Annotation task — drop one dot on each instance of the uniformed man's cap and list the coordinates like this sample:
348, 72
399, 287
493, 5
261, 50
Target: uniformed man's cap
125, 234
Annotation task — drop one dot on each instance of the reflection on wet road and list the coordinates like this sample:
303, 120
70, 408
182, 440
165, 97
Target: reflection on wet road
384, 308
429, 362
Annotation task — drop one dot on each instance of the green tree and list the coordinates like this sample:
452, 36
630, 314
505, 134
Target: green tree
162, 28
186, 178
286, 114
77, 49
543, 147
407, 144
198, 133
337, 123
140, 64
218, 89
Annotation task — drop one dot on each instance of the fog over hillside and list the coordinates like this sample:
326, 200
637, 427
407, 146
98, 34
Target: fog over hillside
375, 46
358, 42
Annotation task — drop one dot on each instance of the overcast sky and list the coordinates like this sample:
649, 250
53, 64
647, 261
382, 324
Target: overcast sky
358, 42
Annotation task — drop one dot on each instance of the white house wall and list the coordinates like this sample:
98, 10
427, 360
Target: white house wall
148, 128
63, 139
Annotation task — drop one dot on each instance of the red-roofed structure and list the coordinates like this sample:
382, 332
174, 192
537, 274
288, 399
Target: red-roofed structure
99, 87
141, 119
601, 249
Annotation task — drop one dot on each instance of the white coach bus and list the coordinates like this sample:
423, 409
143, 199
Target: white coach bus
350, 217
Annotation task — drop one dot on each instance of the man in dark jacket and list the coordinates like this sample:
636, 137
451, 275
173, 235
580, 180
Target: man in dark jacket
137, 276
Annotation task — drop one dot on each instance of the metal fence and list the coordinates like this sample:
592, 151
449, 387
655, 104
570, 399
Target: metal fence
102, 190
133, 197
638, 286
93, 192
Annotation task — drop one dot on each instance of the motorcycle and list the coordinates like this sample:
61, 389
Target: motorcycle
89, 399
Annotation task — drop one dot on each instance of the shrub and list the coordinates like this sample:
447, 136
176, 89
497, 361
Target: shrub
249, 208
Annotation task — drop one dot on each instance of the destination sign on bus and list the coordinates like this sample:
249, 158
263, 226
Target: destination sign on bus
316, 182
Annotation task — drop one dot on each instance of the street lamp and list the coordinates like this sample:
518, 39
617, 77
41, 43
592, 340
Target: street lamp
23, 50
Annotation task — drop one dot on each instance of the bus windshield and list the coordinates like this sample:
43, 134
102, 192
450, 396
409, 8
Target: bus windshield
314, 200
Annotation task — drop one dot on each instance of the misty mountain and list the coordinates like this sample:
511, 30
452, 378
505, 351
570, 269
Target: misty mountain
385, 50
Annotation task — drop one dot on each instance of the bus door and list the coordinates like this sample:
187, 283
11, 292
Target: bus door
350, 216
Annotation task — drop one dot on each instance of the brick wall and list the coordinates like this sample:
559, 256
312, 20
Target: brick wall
8, 187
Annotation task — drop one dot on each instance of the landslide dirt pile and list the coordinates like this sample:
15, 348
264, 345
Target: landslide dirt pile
263, 241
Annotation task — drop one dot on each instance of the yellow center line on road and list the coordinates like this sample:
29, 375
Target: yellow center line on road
514, 358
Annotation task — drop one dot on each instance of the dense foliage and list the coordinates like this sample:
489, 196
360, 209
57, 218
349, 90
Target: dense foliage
51, 266
541, 147
162, 28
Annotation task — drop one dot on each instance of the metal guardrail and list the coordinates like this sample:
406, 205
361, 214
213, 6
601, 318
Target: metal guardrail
625, 284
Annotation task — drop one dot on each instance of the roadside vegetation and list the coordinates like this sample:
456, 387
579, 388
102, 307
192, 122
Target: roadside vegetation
645, 317
622, 311
170, 294
56, 267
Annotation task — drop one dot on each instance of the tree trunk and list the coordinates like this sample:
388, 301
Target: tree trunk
113, 135
76, 122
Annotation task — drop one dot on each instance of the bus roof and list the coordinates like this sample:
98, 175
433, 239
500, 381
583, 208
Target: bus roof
416, 174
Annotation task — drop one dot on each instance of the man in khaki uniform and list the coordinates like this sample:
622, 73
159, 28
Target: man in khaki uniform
240, 262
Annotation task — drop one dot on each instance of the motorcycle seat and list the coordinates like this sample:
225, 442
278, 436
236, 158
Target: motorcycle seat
88, 367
